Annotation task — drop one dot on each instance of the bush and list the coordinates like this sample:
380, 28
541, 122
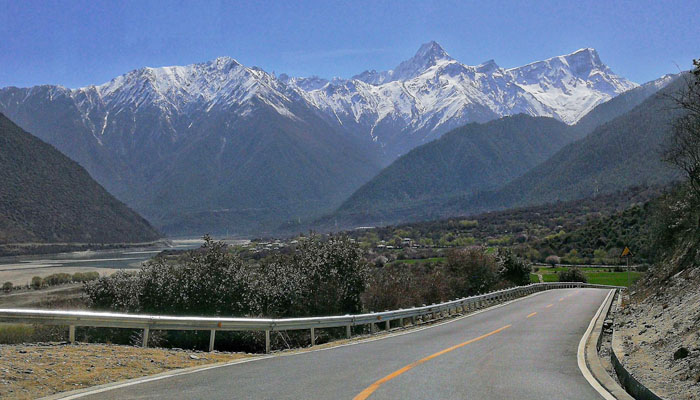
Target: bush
472, 271
320, 277
395, 286
57, 279
85, 276
7, 286
572, 275
512, 268
37, 282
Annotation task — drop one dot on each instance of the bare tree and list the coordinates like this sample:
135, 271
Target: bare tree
683, 151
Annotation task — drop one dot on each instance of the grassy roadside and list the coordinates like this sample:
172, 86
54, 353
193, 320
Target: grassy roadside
33, 371
598, 276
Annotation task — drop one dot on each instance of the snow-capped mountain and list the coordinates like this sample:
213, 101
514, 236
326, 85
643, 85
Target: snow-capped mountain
431, 93
228, 144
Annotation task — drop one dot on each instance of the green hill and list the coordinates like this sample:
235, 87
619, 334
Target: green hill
45, 197
520, 161
621, 153
466, 160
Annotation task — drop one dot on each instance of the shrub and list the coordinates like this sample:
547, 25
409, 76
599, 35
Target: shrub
57, 279
85, 276
319, 277
572, 275
37, 282
472, 271
512, 268
7, 286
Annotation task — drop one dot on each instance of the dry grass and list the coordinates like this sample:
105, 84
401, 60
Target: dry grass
31, 371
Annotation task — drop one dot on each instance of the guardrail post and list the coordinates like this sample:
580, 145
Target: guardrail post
212, 335
145, 337
267, 341
313, 336
348, 331
71, 334
372, 328
413, 320
387, 324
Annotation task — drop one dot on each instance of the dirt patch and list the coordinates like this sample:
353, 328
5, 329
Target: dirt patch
31, 371
655, 328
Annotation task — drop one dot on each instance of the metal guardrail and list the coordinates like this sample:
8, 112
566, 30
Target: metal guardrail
72, 319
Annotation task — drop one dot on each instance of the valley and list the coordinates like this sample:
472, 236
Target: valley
317, 200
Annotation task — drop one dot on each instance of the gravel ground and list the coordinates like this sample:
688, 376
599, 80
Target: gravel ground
660, 330
32, 371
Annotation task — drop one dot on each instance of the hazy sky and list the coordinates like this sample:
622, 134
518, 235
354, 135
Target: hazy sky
77, 43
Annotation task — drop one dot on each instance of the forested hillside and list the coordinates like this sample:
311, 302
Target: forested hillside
623, 152
47, 198
464, 171
469, 159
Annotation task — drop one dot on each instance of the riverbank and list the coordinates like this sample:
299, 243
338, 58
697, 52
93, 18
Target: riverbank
23, 249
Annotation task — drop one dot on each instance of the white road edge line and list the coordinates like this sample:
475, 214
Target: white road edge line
135, 381
581, 356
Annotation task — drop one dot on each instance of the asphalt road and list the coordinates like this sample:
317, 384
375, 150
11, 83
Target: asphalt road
523, 350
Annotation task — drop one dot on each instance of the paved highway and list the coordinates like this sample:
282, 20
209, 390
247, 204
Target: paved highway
525, 349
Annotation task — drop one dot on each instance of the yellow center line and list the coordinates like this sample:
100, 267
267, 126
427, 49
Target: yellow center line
532, 315
549, 305
373, 387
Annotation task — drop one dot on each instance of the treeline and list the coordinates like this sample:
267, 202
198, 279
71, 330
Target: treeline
465, 272
587, 231
60, 278
321, 276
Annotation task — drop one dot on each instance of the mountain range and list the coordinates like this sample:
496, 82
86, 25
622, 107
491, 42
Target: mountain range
520, 161
45, 197
222, 147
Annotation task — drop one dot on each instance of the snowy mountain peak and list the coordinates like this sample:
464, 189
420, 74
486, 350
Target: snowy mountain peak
487, 67
428, 55
420, 99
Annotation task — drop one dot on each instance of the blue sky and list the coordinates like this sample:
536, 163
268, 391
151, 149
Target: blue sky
77, 43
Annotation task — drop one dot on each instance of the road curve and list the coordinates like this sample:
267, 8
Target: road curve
523, 350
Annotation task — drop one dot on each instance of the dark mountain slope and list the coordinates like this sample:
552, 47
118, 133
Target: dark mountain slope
262, 170
46, 197
469, 159
621, 153
465, 171
619, 105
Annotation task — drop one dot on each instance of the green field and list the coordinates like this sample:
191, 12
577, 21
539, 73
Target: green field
420, 260
595, 275
598, 276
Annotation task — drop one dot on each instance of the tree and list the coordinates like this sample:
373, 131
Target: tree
683, 151
513, 268
572, 275
472, 271
552, 260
